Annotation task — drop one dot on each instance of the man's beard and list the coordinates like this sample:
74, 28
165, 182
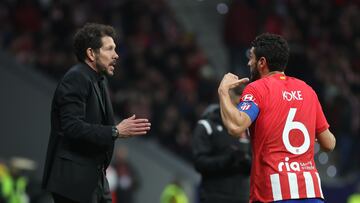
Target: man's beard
254, 74
101, 68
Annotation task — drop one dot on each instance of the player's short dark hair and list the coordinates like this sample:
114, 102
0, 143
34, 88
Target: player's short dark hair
89, 36
274, 48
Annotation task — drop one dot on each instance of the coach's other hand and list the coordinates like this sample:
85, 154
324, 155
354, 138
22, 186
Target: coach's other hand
133, 126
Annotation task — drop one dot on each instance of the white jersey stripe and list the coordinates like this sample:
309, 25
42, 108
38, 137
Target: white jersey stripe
319, 181
293, 184
309, 183
276, 187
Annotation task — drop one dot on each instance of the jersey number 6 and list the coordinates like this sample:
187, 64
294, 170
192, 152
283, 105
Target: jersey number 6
292, 125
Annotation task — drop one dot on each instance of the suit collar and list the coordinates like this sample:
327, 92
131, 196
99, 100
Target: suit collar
98, 94
95, 76
106, 107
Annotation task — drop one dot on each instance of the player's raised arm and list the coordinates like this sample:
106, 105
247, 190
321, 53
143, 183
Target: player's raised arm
234, 120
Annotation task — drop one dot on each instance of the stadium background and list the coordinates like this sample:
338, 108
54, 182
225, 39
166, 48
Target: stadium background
172, 55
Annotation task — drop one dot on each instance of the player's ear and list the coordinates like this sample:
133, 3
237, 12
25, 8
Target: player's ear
263, 66
262, 62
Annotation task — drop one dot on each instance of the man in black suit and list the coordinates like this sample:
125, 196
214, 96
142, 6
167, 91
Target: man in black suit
82, 122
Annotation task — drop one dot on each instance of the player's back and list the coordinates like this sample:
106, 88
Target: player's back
283, 138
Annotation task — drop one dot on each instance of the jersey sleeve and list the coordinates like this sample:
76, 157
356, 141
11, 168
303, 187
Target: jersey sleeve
249, 102
321, 122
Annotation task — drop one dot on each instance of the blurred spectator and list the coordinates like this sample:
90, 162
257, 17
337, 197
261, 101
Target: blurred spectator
338, 111
174, 193
14, 181
4, 176
355, 197
127, 180
241, 26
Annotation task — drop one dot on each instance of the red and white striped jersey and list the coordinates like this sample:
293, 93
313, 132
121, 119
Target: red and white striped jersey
283, 138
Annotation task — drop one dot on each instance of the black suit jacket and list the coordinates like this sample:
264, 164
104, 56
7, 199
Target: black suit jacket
81, 143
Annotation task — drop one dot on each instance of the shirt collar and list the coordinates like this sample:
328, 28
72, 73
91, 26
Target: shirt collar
95, 75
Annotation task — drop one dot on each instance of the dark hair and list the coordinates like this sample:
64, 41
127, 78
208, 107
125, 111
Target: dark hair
274, 49
90, 36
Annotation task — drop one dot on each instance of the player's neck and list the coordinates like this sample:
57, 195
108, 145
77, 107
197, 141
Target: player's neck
273, 73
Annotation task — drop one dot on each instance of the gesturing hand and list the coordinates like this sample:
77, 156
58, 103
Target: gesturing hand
230, 81
133, 126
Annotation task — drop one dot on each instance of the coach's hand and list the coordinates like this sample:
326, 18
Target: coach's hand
133, 126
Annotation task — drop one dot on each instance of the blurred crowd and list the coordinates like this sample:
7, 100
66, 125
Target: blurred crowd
165, 76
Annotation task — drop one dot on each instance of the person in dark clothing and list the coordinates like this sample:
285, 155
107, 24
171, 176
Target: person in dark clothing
83, 131
128, 180
223, 161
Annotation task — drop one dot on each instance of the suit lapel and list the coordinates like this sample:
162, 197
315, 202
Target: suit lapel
108, 106
98, 94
